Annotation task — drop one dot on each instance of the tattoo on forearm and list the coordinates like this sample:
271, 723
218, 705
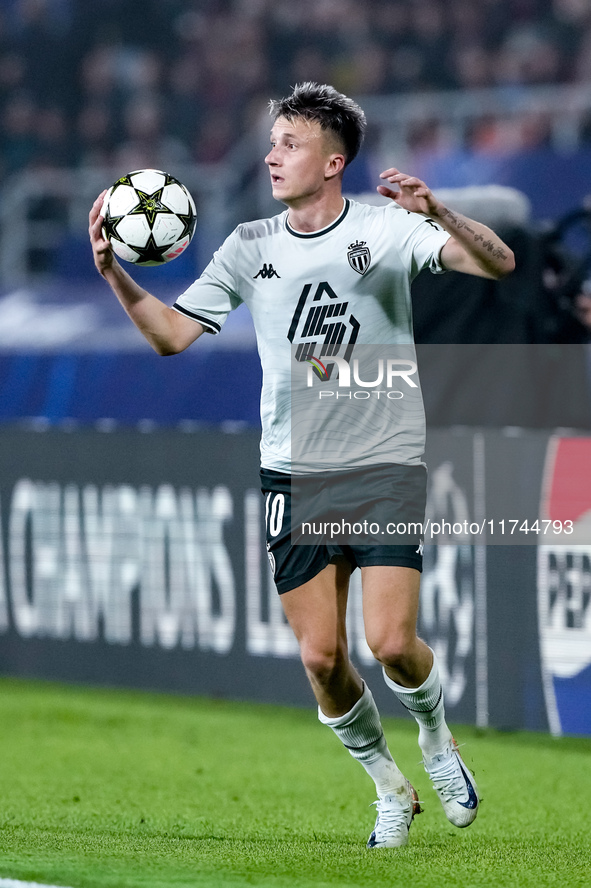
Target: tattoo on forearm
495, 251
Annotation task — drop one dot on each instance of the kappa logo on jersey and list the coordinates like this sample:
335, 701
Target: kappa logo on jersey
321, 325
359, 256
267, 271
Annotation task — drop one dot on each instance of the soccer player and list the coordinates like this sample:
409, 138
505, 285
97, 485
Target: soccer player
359, 260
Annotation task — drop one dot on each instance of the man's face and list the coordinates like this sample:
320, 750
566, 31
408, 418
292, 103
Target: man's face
301, 159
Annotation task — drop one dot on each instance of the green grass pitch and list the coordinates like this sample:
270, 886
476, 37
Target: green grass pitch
101, 789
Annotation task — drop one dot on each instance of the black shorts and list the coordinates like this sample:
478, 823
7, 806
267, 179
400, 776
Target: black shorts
294, 563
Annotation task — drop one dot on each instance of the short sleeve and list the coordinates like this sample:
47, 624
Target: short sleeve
420, 241
211, 298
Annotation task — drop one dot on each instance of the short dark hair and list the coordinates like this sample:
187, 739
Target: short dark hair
331, 109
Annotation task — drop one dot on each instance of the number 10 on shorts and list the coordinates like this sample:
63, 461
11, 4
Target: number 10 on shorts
274, 511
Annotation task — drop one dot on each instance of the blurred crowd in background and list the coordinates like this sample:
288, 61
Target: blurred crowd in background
127, 82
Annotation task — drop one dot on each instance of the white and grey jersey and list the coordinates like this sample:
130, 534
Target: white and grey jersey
319, 294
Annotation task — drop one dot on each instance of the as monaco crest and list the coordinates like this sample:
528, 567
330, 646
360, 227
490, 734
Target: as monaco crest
359, 257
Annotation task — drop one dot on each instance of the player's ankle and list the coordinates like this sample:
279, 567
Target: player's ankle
434, 742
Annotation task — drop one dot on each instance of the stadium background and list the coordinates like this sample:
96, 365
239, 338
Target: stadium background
130, 547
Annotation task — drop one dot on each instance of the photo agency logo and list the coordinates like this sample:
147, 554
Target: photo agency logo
385, 377
361, 408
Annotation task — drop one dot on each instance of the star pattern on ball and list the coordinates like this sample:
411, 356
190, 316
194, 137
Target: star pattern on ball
150, 205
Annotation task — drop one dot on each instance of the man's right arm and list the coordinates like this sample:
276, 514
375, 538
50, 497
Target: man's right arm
167, 331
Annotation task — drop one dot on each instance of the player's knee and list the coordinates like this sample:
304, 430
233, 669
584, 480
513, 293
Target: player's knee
324, 662
392, 648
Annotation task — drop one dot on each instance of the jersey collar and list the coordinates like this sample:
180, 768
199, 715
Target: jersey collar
310, 234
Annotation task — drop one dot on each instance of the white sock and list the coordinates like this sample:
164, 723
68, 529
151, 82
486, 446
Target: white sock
360, 730
426, 704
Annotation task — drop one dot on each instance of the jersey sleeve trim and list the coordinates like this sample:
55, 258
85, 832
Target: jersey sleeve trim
437, 266
215, 327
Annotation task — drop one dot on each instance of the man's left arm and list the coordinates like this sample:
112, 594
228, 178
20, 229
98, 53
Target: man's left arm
473, 248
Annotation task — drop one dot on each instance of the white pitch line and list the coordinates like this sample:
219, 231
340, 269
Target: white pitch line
16, 883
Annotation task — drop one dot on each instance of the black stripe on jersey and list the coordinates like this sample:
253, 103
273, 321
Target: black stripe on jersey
322, 230
196, 317
297, 313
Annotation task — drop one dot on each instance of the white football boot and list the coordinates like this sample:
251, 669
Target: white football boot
395, 815
454, 784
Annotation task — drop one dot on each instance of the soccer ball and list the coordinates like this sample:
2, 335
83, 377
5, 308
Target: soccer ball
149, 217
